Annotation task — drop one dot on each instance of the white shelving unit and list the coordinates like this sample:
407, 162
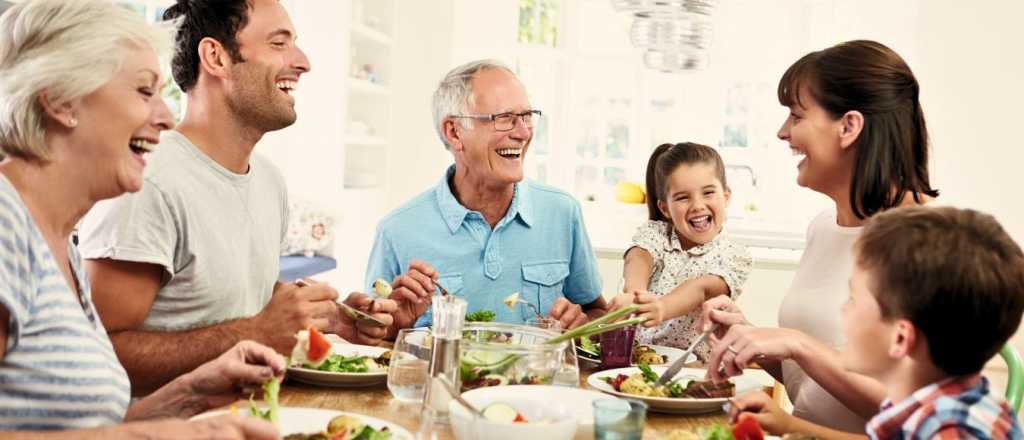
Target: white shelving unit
368, 125
363, 86
368, 134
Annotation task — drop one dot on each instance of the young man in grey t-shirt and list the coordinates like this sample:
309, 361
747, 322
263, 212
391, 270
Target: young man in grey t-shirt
187, 267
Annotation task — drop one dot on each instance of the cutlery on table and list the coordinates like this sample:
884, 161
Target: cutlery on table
448, 386
514, 299
350, 311
678, 364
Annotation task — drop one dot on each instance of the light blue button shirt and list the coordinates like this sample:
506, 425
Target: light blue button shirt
540, 249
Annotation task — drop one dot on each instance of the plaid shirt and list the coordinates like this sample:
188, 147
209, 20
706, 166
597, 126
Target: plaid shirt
954, 408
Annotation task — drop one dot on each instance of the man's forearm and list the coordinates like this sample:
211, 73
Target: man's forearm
154, 358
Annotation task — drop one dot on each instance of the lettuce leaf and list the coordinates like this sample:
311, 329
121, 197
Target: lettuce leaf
270, 391
716, 432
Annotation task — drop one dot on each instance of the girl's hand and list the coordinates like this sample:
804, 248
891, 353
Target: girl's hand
652, 308
744, 344
621, 300
768, 414
723, 311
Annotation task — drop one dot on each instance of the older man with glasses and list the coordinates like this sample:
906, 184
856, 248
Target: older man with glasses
484, 232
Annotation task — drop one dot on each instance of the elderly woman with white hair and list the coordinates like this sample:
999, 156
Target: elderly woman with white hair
79, 108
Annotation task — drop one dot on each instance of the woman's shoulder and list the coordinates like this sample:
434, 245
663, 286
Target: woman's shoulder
825, 218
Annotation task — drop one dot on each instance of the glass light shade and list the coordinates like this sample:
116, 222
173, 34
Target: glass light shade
675, 61
688, 31
665, 7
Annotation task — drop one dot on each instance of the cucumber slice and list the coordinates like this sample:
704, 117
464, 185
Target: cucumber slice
501, 413
485, 359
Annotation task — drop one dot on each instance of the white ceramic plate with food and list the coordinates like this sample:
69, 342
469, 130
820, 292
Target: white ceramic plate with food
668, 353
674, 405
293, 420
375, 374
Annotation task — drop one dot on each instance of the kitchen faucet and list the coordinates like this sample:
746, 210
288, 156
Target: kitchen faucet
747, 168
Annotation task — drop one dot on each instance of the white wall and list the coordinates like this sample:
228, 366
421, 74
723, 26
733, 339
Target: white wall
972, 96
971, 68
309, 152
432, 38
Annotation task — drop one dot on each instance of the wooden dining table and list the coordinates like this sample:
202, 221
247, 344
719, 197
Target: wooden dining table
376, 401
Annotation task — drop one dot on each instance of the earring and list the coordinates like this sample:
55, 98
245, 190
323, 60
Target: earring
72, 122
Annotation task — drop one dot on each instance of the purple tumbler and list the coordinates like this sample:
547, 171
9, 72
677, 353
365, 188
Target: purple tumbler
617, 347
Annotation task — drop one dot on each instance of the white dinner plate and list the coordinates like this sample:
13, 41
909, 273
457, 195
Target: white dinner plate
330, 379
674, 405
671, 353
293, 420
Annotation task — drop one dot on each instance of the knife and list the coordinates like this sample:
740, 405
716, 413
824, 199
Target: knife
678, 364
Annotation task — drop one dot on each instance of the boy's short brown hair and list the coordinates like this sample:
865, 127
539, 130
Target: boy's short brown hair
954, 273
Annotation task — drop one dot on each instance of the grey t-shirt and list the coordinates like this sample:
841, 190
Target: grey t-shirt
217, 234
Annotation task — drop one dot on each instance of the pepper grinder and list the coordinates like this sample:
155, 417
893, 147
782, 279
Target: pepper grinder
449, 314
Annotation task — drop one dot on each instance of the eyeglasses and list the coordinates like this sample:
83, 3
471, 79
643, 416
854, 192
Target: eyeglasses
507, 121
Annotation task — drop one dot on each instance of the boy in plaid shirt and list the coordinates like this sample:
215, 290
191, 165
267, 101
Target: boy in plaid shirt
934, 294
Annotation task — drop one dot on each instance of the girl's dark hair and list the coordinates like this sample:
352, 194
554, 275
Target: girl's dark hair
891, 156
217, 19
665, 159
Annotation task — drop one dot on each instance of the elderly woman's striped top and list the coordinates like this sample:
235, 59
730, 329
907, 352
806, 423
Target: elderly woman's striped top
59, 369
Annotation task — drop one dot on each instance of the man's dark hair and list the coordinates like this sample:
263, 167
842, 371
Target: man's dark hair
217, 19
954, 273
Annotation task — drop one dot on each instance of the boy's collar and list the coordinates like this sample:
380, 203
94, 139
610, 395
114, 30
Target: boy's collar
888, 423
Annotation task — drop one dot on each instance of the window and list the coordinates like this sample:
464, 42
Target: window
610, 111
538, 22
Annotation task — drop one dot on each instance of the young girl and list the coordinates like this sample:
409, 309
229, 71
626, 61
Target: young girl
681, 256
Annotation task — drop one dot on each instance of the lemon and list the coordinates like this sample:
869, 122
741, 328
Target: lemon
629, 192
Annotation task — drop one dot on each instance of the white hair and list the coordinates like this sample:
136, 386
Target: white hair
455, 92
67, 49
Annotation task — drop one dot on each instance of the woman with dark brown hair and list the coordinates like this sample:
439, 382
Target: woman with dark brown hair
856, 120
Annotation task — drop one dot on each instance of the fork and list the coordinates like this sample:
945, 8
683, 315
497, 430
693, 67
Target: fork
352, 312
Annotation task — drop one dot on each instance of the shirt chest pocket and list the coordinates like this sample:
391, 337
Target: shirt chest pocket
542, 284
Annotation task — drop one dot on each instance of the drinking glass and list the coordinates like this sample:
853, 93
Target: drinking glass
617, 347
619, 419
568, 373
410, 365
